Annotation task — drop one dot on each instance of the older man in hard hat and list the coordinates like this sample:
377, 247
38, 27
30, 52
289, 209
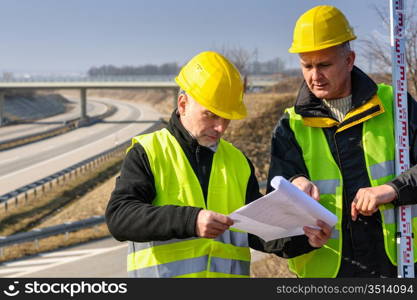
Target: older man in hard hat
337, 145
177, 185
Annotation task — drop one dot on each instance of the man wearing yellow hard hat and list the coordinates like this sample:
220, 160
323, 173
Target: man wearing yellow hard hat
337, 145
177, 185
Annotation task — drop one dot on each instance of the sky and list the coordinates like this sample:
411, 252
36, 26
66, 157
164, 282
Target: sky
53, 36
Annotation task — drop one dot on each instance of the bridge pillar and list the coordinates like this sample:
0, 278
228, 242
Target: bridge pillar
2, 121
83, 97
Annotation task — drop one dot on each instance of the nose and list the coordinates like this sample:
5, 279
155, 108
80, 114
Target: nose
316, 74
221, 125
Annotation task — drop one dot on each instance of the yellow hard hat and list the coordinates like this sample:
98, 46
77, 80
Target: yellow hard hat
215, 83
321, 27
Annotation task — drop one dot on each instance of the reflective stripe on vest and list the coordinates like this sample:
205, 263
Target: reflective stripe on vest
229, 266
226, 256
327, 186
383, 169
389, 214
172, 269
379, 145
193, 266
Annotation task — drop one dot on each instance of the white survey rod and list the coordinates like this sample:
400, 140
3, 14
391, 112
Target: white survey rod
405, 255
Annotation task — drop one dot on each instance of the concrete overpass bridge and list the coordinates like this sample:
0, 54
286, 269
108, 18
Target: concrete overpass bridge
99, 83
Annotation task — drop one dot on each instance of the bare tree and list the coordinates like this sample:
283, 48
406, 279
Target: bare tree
239, 56
376, 48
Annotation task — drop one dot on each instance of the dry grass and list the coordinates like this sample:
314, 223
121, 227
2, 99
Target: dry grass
253, 134
271, 266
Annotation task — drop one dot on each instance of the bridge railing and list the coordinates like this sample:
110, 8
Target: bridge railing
122, 78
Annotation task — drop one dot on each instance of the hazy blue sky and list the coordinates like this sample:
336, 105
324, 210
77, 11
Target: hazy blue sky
58, 35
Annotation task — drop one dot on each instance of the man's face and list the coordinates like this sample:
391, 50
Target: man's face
327, 72
205, 126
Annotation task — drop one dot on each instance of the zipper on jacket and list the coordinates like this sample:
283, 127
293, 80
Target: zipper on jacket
197, 161
199, 172
344, 198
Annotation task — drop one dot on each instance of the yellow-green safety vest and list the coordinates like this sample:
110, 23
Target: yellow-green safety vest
176, 184
379, 148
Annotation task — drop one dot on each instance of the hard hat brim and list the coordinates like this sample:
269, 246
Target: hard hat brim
295, 49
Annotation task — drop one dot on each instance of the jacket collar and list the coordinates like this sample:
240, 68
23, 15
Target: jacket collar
365, 104
179, 132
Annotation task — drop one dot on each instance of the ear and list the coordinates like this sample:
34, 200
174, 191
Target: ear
182, 103
351, 60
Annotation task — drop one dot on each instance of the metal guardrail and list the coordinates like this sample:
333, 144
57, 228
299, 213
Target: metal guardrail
67, 126
23, 140
41, 233
56, 176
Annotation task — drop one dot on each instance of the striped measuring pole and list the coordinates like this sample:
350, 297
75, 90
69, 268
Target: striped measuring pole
405, 257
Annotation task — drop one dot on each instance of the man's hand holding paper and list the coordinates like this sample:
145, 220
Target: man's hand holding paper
287, 211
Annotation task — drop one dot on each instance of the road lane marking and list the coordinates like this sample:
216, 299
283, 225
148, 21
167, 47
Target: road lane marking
71, 253
31, 262
64, 260
9, 159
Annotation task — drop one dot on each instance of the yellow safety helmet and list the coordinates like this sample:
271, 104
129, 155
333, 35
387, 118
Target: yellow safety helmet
215, 83
321, 27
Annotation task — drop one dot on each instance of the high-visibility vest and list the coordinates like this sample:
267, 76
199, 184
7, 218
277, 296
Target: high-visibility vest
379, 149
176, 184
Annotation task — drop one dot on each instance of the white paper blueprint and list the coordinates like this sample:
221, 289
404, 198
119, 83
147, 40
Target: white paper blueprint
281, 213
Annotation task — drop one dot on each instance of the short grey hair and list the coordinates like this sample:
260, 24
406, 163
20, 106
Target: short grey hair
345, 49
181, 92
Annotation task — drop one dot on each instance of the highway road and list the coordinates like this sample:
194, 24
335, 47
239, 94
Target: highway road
94, 108
105, 258
28, 163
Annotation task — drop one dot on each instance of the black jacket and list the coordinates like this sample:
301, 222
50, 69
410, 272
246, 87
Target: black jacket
130, 214
363, 249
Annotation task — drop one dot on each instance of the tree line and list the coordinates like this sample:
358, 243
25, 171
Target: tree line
148, 69
246, 68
